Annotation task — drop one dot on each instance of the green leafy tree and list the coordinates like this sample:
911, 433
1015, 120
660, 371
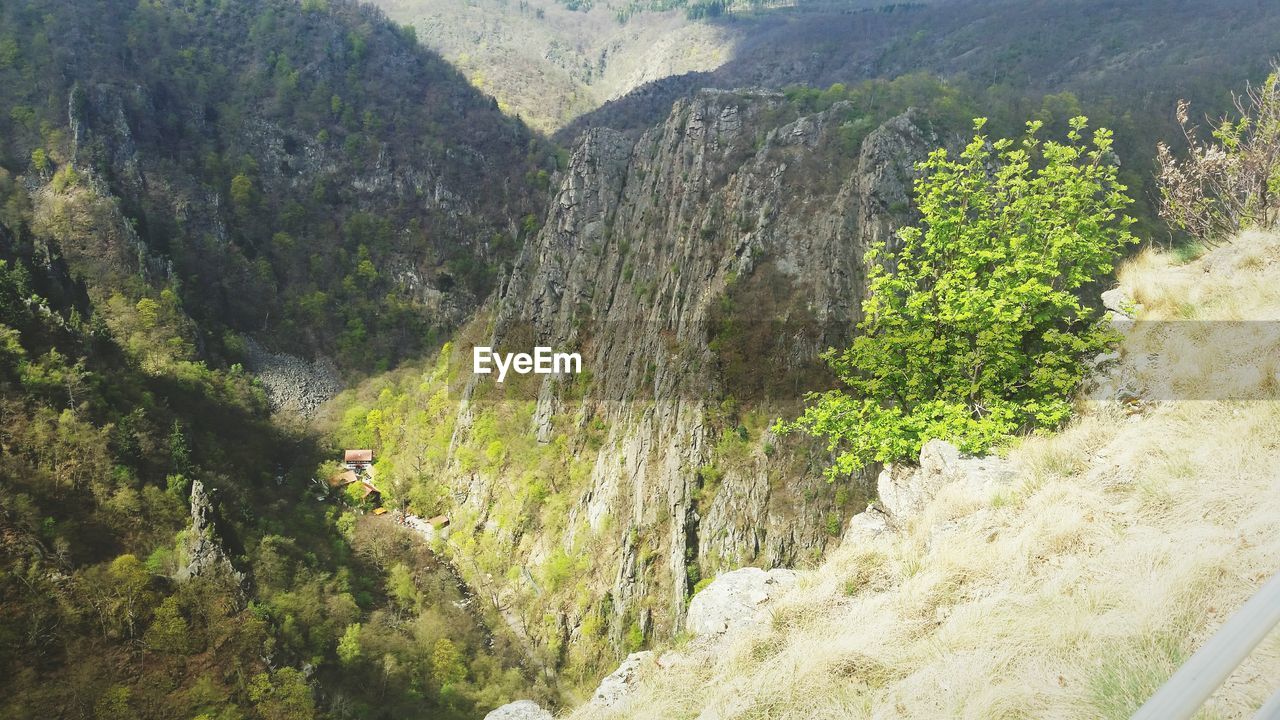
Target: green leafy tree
446, 663
114, 704
349, 645
242, 191
168, 631
972, 329
402, 589
283, 695
40, 159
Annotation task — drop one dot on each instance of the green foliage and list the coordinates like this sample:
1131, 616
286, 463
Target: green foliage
40, 160
94, 483
972, 329
832, 524
320, 294
114, 704
349, 645
447, 667
282, 695
242, 191
402, 589
168, 631
634, 639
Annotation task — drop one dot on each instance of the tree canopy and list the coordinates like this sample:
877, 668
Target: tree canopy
973, 328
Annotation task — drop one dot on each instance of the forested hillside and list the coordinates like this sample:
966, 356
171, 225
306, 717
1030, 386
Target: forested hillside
174, 178
307, 174
551, 61
1141, 56
117, 605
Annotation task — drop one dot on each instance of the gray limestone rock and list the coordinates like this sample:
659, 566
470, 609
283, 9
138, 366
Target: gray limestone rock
646, 239
205, 548
736, 599
903, 490
519, 710
616, 686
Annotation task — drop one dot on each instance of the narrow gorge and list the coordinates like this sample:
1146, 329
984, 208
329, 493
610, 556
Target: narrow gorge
700, 269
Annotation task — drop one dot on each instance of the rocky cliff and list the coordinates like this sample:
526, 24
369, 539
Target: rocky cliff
700, 270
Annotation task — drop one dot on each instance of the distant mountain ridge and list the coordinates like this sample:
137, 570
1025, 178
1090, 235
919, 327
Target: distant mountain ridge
1145, 54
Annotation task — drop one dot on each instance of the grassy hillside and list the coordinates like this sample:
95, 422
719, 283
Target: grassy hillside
1077, 588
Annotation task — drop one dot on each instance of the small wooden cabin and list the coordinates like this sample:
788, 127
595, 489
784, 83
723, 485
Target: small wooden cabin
342, 479
357, 459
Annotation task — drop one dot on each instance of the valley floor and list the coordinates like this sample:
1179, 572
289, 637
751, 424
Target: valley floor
1073, 590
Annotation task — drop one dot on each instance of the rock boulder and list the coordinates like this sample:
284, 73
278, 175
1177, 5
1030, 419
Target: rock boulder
519, 710
618, 684
736, 599
904, 490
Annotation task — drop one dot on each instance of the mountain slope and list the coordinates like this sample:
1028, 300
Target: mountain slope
548, 62
1144, 54
1071, 588
307, 174
700, 270
175, 176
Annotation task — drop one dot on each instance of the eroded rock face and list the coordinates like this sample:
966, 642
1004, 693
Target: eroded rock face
735, 600
645, 244
209, 557
616, 686
519, 710
903, 490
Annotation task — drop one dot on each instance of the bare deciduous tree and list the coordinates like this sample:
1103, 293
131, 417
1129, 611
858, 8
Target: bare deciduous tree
1233, 182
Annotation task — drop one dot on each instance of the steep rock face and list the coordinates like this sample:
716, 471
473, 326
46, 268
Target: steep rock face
700, 270
205, 548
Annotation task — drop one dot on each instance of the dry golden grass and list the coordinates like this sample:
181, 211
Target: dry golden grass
1073, 592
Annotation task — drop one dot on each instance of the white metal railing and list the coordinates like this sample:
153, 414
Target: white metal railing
1181, 697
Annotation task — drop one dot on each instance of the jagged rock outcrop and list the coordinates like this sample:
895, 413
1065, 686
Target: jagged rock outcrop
735, 600
519, 710
617, 685
700, 270
207, 554
904, 489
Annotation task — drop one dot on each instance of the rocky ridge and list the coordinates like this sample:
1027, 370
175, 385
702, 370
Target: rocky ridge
736, 214
207, 554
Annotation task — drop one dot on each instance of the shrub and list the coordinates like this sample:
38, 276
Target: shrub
972, 331
1232, 183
